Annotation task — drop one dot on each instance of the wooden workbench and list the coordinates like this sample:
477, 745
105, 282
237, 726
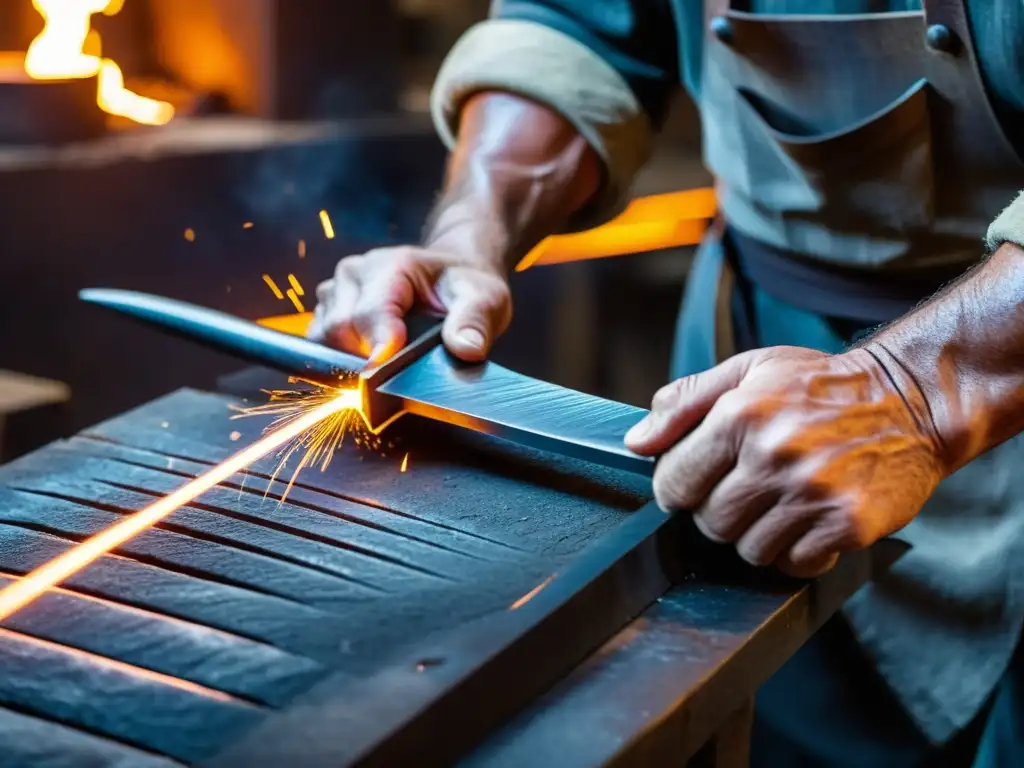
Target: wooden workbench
196, 640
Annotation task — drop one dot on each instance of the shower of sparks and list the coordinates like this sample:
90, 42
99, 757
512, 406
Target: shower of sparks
295, 300
296, 285
328, 227
273, 286
302, 249
405, 463
304, 428
317, 445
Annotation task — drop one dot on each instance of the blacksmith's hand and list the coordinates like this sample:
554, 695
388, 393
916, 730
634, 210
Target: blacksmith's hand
793, 455
362, 308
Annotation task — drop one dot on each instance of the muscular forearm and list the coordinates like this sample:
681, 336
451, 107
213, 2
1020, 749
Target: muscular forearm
959, 359
518, 172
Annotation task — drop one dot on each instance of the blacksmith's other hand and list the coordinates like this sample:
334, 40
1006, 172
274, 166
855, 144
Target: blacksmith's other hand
793, 455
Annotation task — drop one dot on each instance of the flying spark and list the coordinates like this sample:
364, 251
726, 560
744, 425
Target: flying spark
405, 463
295, 300
296, 285
316, 446
247, 225
339, 406
302, 249
190, 235
328, 227
273, 286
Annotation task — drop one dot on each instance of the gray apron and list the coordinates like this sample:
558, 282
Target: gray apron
864, 147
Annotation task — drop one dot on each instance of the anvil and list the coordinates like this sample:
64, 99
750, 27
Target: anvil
423, 378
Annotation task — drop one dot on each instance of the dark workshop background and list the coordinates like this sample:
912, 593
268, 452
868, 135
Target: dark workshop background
285, 107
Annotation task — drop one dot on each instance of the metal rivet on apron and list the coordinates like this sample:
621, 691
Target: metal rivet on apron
722, 29
940, 38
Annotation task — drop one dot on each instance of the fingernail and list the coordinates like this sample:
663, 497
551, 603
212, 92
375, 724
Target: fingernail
639, 431
471, 337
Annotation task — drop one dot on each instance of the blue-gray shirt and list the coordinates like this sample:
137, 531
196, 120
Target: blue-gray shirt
642, 40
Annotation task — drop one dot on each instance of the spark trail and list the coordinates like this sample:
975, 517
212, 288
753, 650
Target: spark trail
344, 404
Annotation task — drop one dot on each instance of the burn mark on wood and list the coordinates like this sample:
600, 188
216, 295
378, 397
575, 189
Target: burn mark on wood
290, 626
116, 700
220, 661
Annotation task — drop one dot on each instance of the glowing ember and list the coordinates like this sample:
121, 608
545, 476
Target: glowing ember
296, 286
273, 286
25, 590
247, 225
295, 300
190, 235
302, 249
58, 53
328, 227
405, 463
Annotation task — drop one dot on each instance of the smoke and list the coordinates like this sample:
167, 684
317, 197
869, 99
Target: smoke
376, 177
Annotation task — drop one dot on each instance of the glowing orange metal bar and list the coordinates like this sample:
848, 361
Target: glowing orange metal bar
27, 589
651, 223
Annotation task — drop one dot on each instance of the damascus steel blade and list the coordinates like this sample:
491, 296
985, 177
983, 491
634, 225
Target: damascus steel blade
494, 400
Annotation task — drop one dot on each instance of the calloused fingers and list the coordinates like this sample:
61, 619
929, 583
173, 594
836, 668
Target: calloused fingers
735, 504
686, 475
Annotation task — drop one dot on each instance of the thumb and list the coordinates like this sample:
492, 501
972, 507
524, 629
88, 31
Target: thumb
680, 406
479, 310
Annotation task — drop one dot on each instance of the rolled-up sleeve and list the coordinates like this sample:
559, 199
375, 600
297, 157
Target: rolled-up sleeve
608, 67
1009, 226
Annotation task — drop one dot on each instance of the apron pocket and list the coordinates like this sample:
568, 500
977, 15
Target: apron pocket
871, 178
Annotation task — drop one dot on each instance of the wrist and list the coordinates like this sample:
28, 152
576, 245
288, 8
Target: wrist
963, 351
902, 374
473, 230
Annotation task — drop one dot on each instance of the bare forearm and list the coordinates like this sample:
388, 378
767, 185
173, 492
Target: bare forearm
961, 356
517, 174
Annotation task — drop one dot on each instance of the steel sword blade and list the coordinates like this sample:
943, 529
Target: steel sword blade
423, 379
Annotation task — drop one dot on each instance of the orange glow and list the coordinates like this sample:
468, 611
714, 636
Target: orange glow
295, 324
297, 286
25, 590
405, 463
295, 300
58, 53
302, 249
649, 223
190, 235
273, 286
247, 225
325, 220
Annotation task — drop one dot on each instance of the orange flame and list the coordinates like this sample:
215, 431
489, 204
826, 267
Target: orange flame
58, 53
22, 592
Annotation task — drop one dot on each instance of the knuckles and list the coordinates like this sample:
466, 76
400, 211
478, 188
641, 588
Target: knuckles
671, 492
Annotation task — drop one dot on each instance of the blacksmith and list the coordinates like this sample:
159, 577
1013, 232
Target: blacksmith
867, 155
